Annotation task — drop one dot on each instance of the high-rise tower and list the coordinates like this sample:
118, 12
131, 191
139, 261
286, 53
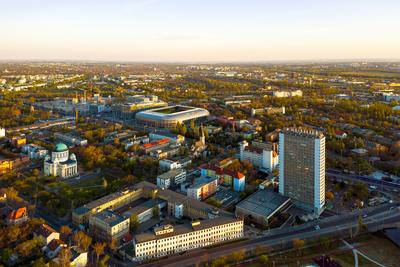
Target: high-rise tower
302, 168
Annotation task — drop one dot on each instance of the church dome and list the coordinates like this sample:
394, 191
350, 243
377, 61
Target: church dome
60, 147
72, 157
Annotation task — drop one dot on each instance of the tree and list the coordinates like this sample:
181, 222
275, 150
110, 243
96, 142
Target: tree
238, 256
65, 232
13, 233
263, 259
82, 240
98, 249
113, 245
156, 211
65, 257
5, 254
134, 222
39, 263
218, 262
298, 244
329, 195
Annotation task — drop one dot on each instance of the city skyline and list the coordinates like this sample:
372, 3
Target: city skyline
177, 31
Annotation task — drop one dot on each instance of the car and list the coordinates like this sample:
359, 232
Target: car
317, 227
365, 216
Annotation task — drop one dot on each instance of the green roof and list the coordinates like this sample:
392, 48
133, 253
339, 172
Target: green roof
60, 147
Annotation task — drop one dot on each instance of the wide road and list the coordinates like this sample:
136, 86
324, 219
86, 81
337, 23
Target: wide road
332, 226
361, 178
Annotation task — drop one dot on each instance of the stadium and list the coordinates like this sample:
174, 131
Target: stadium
168, 117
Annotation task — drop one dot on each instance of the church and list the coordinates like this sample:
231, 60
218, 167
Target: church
61, 163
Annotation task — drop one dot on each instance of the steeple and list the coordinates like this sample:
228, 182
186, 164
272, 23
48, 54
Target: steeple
202, 136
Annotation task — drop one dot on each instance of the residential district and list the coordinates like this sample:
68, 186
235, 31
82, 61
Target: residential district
199, 165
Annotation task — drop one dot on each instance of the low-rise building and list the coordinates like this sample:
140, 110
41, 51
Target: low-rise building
47, 233
162, 134
171, 178
2, 132
18, 141
70, 139
287, 93
144, 211
262, 155
261, 206
155, 145
34, 151
235, 179
113, 201
17, 216
170, 239
108, 225
203, 188
8, 164
169, 164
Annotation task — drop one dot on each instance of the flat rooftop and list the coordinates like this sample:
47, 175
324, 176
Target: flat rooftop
263, 203
171, 174
185, 228
110, 218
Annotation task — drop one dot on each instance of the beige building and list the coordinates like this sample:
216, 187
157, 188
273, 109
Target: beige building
170, 239
302, 168
113, 201
108, 225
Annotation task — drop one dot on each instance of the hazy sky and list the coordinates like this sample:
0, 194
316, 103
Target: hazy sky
199, 30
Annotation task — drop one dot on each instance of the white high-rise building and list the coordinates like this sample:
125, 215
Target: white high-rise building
302, 168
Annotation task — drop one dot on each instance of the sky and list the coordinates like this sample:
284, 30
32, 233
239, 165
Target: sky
199, 30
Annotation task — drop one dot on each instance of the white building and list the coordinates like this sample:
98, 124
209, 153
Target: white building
34, 151
287, 93
168, 164
171, 178
61, 163
2, 132
71, 139
170, 239
302, 168
261, 155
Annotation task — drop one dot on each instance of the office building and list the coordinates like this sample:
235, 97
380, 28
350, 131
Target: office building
170, 239
302, 168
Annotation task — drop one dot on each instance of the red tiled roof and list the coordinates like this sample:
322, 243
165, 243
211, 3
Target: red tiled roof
45, 230
55, 243
221, 171
339, 132
156, 143
18, 214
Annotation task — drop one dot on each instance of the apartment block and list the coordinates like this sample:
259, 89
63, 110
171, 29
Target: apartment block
302, 168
